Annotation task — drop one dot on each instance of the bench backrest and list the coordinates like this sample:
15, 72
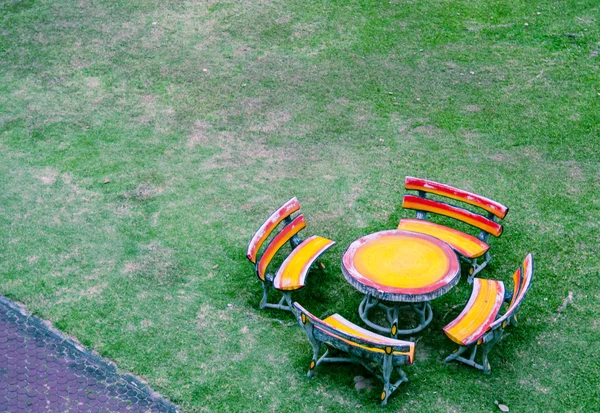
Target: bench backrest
292, 227
269, 225
388, 345
423, 205
522, 279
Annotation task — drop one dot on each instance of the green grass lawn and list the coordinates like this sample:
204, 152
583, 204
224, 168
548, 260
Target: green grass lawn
143, 142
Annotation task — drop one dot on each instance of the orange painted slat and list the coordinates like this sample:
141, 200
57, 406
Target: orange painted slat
269, 225
514, 302
527, 277
471, 218
517, 279
479, 313
292, 273
448, 191
280, 239
465, 244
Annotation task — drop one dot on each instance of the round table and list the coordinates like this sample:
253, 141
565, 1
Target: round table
404, 269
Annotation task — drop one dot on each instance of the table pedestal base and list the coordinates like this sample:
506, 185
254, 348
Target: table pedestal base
392, 310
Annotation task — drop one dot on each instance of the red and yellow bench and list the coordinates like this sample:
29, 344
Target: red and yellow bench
292, 273
478, 325
470, 248
380, 355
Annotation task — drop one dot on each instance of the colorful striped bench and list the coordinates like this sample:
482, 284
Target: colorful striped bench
478, 325
292, 273
469, 248
380, 355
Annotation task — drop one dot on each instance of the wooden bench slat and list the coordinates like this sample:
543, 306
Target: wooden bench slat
522, 281
269, 225
487, 204
517, 279
275, 245
339, 323
292, 273
364, 337
465, 244
408, 354
479, 313
471, 218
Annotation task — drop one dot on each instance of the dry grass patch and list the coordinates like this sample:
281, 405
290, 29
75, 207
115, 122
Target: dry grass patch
473, 108
156, 263
48, 176
92, 82
143, 192
199, 135
275, 121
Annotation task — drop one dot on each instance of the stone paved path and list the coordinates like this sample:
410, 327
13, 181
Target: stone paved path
43, 371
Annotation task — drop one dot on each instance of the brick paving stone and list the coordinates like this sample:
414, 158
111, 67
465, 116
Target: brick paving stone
41, 370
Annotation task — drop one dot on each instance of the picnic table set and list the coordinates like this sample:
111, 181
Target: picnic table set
398, 271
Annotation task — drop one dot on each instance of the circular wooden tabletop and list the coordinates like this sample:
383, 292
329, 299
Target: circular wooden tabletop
400, 265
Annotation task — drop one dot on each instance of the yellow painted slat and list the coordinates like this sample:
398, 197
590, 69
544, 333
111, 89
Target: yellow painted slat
339, 323
481, 310
464, 244
292, 273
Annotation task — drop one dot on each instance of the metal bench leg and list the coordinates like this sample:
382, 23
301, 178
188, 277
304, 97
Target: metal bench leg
285, 302
388, 387
263, 301
316, 360
457, 355
476, 267
387, 372
316, 344
486, 347
485, 363
287, 297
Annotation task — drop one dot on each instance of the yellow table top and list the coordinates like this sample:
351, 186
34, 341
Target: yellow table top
398, 265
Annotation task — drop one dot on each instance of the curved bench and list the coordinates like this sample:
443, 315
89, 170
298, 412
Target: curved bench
360, 345
478, 325
469, 247
479, 313
292, 273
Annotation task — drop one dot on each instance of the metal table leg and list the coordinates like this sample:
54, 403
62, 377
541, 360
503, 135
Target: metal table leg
422, 309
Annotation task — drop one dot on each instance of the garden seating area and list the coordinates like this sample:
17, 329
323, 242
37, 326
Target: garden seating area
398, 271
428, 148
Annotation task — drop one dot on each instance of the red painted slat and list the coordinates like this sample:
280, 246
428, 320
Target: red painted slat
471, 218
269, 225
280, 239
487, 204
522, 286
